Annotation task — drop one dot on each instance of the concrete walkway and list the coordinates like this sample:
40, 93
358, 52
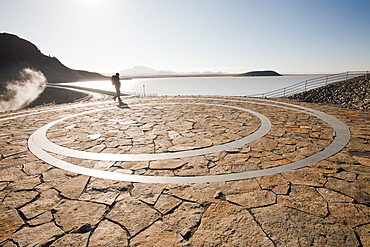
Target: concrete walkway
185, 171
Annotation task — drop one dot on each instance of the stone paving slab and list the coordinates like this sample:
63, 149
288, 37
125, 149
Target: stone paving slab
324, 204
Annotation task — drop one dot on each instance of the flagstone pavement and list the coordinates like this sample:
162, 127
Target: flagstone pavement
185, 171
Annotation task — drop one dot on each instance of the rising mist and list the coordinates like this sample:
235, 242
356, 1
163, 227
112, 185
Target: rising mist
19, 93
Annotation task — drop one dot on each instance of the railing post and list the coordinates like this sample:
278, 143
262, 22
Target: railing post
367, 75
262, 95
347, 76
326, 82
284, 92
305, 86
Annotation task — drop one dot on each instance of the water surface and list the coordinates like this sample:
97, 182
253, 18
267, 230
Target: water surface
215, 86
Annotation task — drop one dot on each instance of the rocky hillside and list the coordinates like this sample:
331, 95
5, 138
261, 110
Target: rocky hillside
354, 93
17, 54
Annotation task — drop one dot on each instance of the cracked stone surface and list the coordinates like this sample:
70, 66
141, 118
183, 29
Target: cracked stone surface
229, 225
108, 233
289, 227
324, 204
39, 235
72, 215
133, 214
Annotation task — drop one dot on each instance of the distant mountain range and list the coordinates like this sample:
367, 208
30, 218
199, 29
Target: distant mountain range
143, 71
17, 54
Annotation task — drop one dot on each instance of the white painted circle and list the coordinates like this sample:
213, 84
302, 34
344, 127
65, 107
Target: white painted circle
340, 141
39, 137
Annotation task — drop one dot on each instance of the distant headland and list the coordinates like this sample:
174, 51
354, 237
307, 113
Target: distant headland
261, 73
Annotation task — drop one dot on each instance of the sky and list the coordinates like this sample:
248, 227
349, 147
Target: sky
232, 36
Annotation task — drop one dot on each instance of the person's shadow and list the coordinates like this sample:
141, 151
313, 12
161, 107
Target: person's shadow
123, 105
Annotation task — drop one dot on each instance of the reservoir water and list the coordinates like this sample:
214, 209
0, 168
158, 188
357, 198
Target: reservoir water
220, 86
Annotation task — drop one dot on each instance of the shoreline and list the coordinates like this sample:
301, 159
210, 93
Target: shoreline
354, 94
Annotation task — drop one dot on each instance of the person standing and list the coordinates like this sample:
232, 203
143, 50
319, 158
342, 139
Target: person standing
116, 82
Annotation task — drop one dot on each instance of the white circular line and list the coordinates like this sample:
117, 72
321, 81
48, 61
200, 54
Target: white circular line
40, 139
340, 141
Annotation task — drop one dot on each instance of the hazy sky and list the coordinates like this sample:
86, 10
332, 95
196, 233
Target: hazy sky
288, 36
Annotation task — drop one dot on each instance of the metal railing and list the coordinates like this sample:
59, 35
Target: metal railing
306, 85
